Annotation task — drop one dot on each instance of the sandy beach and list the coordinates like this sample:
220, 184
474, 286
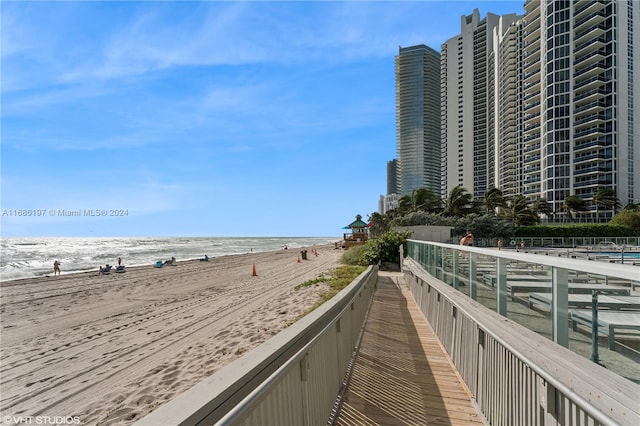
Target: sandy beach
108, 349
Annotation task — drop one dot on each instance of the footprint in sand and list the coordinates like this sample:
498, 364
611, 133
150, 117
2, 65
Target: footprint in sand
158, 369
118, 415
145, 400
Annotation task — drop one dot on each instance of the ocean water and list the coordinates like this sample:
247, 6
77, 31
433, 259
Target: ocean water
30, 257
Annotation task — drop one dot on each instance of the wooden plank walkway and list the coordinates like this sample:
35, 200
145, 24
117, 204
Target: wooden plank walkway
402, 375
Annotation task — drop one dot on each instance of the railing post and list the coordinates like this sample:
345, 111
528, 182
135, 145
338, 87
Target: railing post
473, 287
432, 260
501, 286
455, 264
560, 305
595, 357
442, 264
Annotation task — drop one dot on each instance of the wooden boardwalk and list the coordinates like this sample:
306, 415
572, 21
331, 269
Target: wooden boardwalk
402, 375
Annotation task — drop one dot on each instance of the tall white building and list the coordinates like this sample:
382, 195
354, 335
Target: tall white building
418, 118
581, 88
505, 97
467, 127
545, 104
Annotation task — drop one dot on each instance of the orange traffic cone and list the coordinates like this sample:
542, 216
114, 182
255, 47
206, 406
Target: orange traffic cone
254, 274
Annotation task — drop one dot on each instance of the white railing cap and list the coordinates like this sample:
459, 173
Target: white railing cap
627, 272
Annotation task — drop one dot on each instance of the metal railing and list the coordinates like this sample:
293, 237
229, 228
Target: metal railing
292, 379
516, 375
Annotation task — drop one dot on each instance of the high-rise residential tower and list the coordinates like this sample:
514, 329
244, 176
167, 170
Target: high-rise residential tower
390, 200
467, 127
392, 177
581, 89
505, 153
418, 118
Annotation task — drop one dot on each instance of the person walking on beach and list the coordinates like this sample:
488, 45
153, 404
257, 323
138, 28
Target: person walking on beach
56, 268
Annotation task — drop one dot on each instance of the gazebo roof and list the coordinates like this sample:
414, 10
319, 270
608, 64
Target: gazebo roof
358, 223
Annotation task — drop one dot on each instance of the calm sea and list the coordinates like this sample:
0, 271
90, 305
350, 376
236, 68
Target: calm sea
29, 257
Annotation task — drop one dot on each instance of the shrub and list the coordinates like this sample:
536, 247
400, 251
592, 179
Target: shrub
484, 226
629, 219
383, 249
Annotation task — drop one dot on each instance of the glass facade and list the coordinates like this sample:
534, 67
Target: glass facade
418, 118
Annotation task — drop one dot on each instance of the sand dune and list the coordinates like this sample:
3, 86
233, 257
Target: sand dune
108, 349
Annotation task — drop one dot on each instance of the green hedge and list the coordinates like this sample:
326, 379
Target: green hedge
574, 230
383, 249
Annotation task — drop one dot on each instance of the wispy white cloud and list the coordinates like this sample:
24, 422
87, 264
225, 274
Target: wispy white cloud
171, 35
234, 33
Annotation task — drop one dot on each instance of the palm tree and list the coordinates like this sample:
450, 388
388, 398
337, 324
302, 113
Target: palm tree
405, 205
421, 199
493, 199
606, 197
542, 206
573, 204
459, 203
519, 212
380, 224
425, 200
632, 207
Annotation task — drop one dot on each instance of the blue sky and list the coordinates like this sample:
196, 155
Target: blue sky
203, 118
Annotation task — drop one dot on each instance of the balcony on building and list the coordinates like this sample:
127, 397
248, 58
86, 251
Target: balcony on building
531, 158
589, 108
588, 133
589, 121
590, 35
595, 181
595, 44
532, 85
529, 138
589, 71
588, 157
584, 8
591, 20
532, 190
591, 83
590, 96
532, 34
529, 106
595, 169
592, 144
532, 118
532, 95
530, 5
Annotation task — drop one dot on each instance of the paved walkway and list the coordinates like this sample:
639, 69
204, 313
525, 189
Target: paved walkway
402, 375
